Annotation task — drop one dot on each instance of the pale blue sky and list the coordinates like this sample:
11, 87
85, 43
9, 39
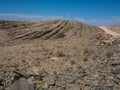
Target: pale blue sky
95, 12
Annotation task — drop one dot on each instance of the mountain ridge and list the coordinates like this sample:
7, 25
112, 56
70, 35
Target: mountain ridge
51, 29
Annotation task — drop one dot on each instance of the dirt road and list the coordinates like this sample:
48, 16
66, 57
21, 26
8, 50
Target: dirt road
108, 31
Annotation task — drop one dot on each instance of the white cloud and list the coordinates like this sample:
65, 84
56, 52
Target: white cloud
88, 21
117, 18
80, 19
100, 21
24, 17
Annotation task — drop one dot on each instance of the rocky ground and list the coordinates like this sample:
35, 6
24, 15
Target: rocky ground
60, 64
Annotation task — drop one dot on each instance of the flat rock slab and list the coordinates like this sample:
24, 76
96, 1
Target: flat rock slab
76, 87
114, 63
115, 71
22, 74
1, 82
21, 84
104, 88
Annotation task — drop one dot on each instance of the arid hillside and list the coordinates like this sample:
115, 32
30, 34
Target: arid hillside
58, 55
45, 30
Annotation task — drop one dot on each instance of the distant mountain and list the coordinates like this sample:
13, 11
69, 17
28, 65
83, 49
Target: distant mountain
51, 29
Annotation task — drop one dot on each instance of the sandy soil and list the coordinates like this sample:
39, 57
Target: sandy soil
115, 28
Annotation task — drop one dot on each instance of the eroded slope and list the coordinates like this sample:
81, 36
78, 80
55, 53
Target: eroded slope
55, 29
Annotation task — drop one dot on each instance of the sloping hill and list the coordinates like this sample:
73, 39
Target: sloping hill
3, 36
57, 55
48, 30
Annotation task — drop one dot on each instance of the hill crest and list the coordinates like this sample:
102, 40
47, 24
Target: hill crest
51, 29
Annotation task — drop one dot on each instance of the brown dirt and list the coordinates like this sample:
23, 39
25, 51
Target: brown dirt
71, 52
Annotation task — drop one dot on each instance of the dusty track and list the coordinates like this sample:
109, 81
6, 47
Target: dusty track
108, 31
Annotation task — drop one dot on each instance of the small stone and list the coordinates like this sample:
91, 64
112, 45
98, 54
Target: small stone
106, 61
50, 80
38, 77
7, 88
22, 74
87, 88
30, 80
21, 84
35, 70
116, 80
115, 71
53, 88
1, 88
1, 82
110, 77
114, 63
102, 44
76, 87
45, 87
118, 76
62, 88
